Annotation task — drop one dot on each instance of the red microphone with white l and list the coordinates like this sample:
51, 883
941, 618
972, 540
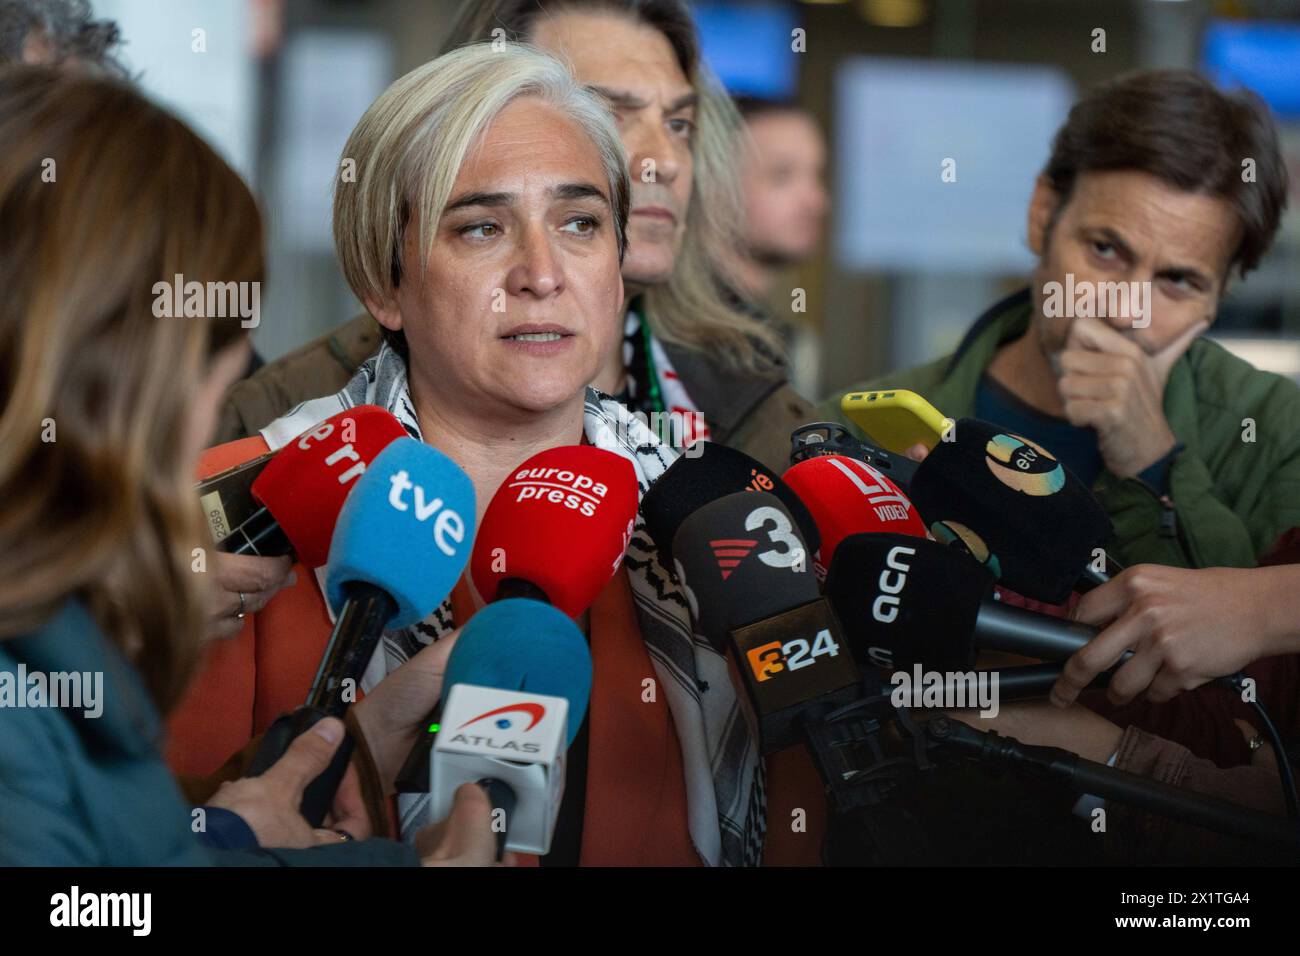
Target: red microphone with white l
847, 497
302, 489
557, 528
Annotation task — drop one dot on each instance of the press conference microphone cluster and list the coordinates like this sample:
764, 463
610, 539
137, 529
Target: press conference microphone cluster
401, 542
301, 490
554, 533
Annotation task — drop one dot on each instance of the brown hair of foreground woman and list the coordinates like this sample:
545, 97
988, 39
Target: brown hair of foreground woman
102, 196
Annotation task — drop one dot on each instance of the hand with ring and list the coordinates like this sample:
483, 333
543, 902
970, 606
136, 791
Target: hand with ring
242, 584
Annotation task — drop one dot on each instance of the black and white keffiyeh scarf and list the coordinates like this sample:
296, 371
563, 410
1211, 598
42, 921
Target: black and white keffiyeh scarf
725, 789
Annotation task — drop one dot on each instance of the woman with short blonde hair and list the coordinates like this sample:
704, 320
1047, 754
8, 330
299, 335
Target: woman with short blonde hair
485, 232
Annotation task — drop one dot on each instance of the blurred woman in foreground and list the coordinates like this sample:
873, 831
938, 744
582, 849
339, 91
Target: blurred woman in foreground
105, 403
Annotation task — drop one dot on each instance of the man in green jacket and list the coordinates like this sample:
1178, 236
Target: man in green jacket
1158, 187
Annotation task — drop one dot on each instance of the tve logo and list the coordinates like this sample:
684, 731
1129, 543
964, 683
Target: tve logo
448, 526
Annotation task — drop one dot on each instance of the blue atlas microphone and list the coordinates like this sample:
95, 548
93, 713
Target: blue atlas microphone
514, 695
401, 542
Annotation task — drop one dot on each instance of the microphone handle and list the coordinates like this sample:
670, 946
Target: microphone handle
351, 645
1092, 578
1000, 627
356, 634
319, 795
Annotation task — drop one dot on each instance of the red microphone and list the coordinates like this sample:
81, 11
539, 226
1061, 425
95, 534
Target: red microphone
302, 489
846, 497
557, 528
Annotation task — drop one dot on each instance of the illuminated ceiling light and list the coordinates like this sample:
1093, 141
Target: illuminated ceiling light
893, 13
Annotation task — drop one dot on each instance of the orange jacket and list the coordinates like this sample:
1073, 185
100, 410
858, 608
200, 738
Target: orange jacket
635, 811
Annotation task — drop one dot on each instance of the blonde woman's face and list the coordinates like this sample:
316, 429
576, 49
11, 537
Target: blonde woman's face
520, 299
633, 66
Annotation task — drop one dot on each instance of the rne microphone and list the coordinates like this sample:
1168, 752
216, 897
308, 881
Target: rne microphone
401, 543
516, 690
557, 528
747, 577
711, 471
302, 488
846, 496
1010, 504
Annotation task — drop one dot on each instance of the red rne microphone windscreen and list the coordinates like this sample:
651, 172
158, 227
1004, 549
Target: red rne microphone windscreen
558, 524
305, 484
846, 496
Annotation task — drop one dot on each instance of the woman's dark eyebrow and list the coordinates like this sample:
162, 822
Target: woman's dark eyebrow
562, 191
579, 191
479, 199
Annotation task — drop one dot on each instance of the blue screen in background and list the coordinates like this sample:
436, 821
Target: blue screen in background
748, 46
1263, 57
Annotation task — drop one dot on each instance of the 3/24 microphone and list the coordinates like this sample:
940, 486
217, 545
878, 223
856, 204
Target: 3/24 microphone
751, 589
694, 480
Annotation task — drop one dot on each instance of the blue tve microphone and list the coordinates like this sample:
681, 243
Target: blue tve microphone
514, 696
401, 542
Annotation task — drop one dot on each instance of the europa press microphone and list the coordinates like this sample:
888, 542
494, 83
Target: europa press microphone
516, 690
557, 528
847, 496
303, 487
1010, 504
401, 543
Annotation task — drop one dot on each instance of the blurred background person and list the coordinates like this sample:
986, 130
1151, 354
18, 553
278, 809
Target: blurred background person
58, 32
782, 182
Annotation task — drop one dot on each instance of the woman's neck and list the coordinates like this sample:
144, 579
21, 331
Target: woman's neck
487, 449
